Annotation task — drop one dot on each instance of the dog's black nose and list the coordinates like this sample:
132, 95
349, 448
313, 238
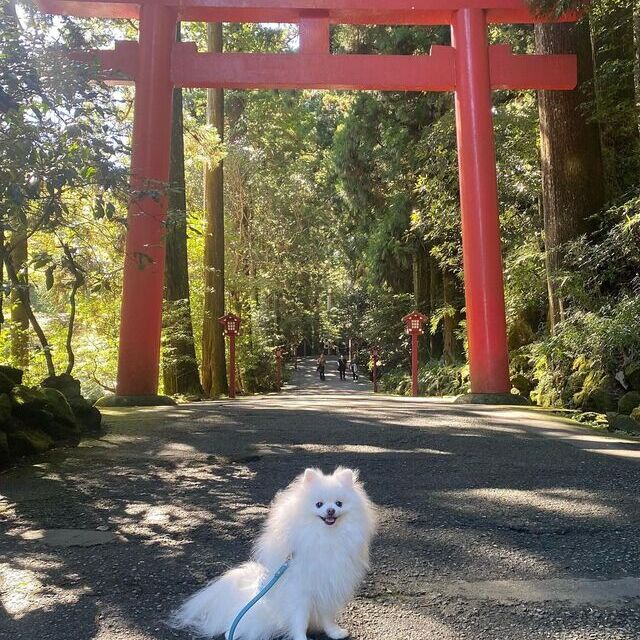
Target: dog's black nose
331, 512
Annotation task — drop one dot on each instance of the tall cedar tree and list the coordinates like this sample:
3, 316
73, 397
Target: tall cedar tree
571, 155
180, 367
214, 375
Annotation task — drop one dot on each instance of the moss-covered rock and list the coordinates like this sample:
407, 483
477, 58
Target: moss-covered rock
65, 383
520, 333
632, 375
61, 431
622, 422
597, 394
135, 401
628, 402
26, 442
89, 418
523, 384
31, 397
6, 383
13, 373
59, 407
600, 401
5, 408
5, 456
635, 414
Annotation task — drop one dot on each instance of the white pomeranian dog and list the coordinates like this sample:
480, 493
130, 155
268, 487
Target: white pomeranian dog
324, 523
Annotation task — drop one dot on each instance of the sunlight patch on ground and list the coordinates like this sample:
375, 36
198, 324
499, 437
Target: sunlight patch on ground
618, 453
161, 523
569, 502
344, 448
23, 592
18, 587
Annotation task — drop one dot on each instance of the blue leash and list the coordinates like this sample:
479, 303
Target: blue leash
276, 576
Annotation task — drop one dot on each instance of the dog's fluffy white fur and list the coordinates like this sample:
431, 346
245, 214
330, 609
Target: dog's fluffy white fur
326, 523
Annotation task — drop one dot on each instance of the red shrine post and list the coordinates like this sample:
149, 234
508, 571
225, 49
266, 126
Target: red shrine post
231, 326
414, 322
470, 67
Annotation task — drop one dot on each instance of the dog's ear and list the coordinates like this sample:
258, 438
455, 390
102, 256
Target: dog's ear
311, 475
346, 476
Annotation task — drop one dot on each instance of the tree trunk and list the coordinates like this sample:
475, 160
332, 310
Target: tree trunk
20, 286
571, 155
214, 375
19, 314
451, 346
179, 365
435, 298
421, 294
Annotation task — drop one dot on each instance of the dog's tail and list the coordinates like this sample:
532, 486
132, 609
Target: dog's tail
211, 611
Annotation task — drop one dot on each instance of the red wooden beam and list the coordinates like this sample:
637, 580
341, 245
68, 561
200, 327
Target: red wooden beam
392, 12
509, 71
324, 71
313, 71
314, 33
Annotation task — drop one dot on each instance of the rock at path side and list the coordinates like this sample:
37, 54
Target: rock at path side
85, 413
523, 384
622, 422
9, 378
71, 537
632, 375
598, 400
45, 410
30, 403
5, 408
5, 454
628, 402
88, 416
65, 383
26, 442
58, 405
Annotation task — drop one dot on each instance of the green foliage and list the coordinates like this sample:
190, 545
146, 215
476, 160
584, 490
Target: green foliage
434, 379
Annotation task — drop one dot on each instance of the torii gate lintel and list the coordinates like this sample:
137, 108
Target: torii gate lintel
470, 67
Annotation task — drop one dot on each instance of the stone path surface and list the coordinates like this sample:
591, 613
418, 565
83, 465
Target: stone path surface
497, 524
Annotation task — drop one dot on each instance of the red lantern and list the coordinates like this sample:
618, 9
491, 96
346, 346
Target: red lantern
414, 322
231, 326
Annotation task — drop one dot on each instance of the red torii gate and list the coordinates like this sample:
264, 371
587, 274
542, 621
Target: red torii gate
470, 67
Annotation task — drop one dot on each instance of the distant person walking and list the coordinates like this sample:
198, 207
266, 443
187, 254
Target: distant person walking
342, 367
322, 363
354, 369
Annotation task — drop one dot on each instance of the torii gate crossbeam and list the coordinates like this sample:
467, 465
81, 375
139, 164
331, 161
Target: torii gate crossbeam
470, 67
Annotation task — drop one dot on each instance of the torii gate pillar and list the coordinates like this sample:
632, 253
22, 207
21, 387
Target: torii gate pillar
482, 261
141, 313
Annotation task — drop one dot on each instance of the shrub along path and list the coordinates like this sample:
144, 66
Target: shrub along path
495, 523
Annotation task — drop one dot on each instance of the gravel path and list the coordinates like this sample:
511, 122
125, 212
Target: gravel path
497, 523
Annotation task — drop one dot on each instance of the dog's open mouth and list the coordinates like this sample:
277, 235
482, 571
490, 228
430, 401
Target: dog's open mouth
330, 520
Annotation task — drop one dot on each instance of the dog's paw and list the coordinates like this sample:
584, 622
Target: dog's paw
336, 633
